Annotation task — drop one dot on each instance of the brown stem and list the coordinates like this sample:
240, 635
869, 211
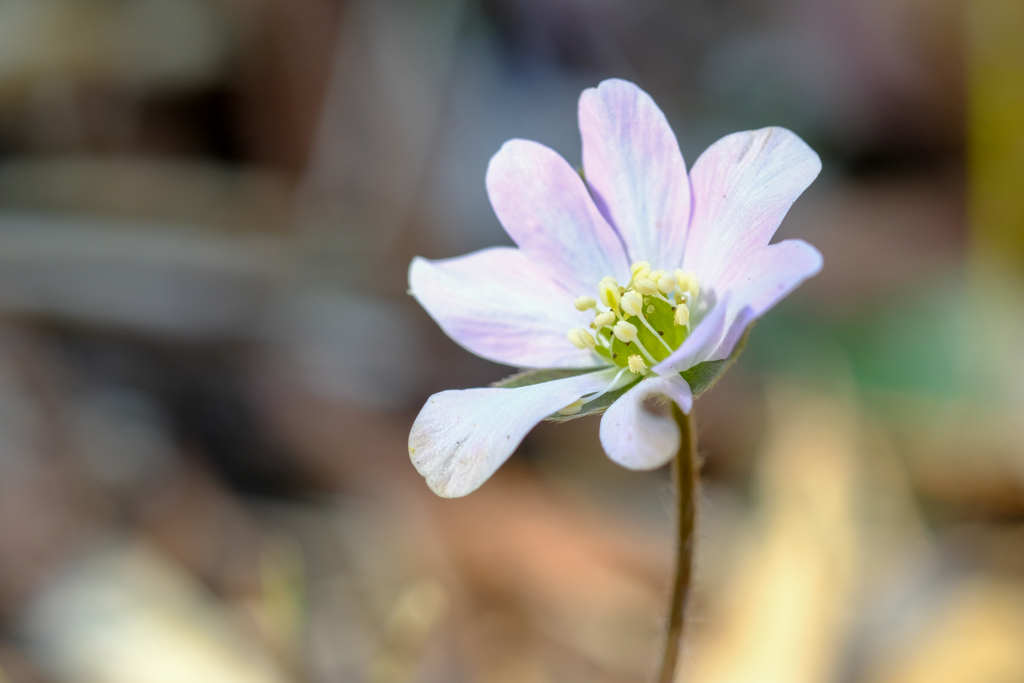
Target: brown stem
685, 473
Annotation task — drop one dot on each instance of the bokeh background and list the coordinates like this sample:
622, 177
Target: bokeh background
209, 363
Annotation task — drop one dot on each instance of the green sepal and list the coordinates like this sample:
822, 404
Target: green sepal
525, 378
700, 377
703, 376
594, 407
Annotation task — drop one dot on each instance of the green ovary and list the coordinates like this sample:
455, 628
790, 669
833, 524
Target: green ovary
641, 324
662, 320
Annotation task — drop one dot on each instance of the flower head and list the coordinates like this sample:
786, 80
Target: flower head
638, 281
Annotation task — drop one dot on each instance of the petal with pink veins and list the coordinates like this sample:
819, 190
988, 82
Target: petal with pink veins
545, 208
460, 438
499, 305
742, 187
636, 438
755, 284
635, 171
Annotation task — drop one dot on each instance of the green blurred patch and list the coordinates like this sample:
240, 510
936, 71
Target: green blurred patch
918, 342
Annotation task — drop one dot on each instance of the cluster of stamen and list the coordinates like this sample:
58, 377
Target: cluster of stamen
638, 325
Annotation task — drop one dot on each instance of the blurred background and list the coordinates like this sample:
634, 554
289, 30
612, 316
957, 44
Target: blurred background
209, 363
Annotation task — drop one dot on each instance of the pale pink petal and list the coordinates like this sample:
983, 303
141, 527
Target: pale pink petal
751, 287
460, 438
501, 306
635, 171
635, 437
742, 186
755, 284
703, 341
546, 209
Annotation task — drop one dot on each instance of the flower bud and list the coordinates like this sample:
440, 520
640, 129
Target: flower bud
608, 290
573, 408
640, 269
645, 286
632, 303
682, 316
584, 303
688, 284
581, 339
666, 283
624, 332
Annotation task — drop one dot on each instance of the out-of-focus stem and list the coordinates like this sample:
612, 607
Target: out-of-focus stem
685, 473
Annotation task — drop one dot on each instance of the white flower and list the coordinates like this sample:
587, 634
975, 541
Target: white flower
622, 282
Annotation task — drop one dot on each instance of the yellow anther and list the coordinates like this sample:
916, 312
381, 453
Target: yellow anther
608, 291
625, 332
581, 339
667, 282
575, 338
645, 285
573, 408
682, 316
632, 303
640, 269
604, 319
688, 283
655, 275
637, 364
650, 310
584, 303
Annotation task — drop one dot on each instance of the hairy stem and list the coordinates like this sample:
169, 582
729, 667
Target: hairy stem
685, 473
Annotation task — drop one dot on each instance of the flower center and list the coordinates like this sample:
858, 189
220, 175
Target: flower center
641, 324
